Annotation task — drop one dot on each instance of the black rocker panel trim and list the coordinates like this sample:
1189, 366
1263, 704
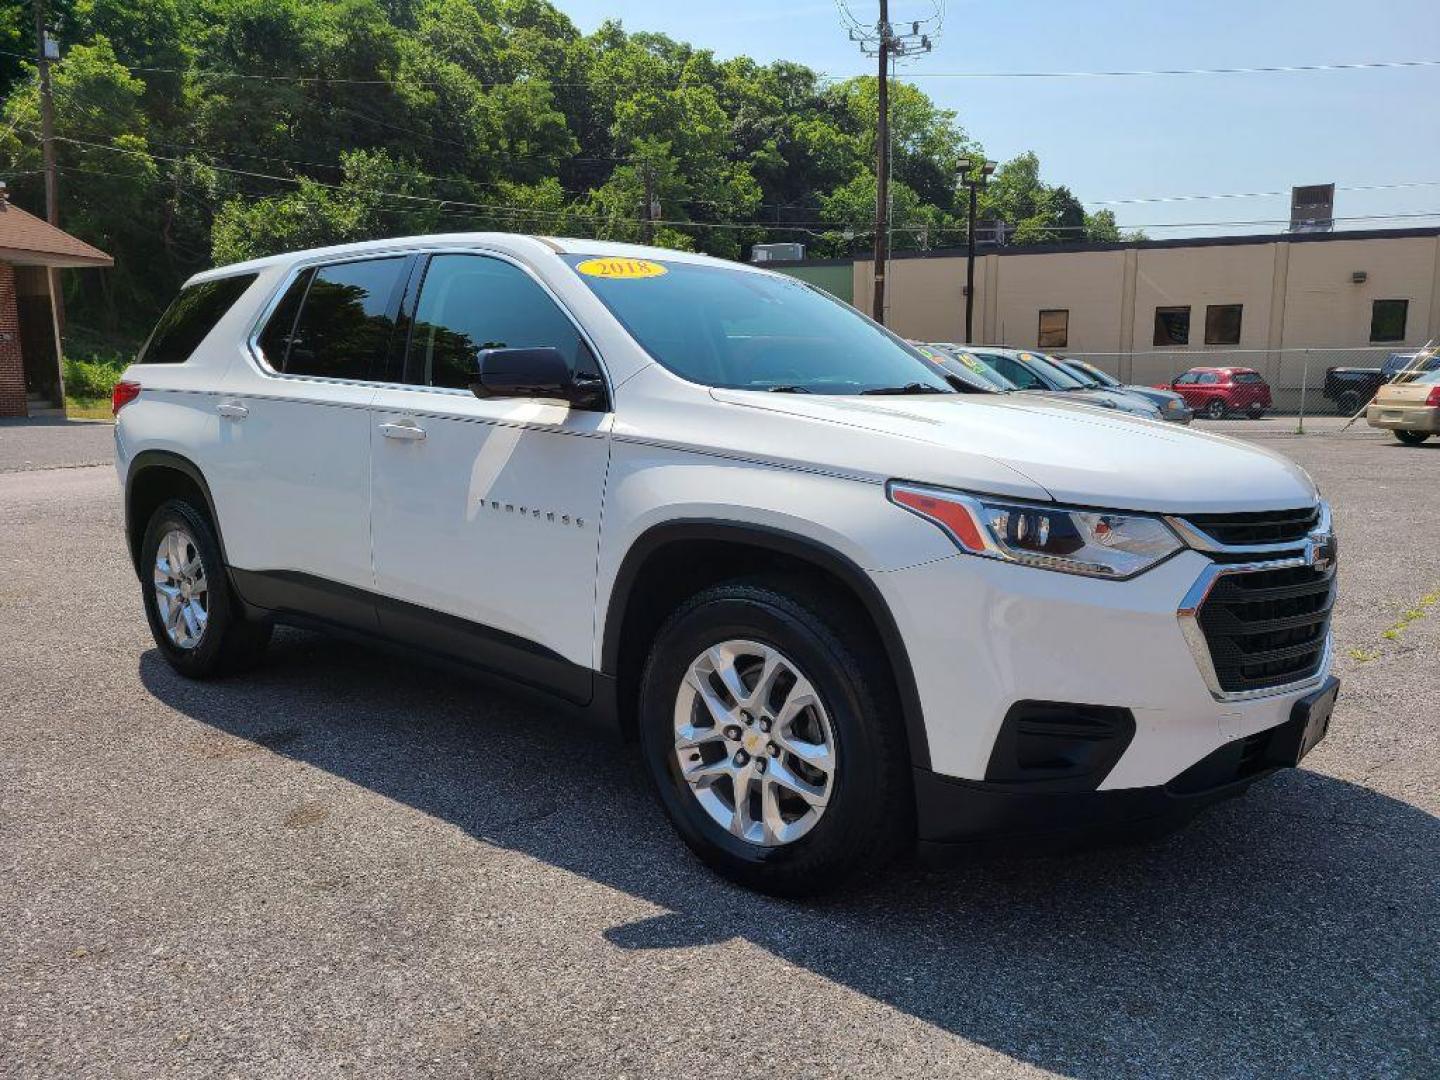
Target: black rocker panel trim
792, 544
291, 596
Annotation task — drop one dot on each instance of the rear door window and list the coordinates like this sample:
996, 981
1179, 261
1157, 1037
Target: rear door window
190, 318
345, 321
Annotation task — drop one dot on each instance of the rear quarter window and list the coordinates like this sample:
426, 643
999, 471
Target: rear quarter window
1247, 376
190, 318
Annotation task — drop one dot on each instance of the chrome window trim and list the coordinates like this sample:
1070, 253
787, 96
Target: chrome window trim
299, 266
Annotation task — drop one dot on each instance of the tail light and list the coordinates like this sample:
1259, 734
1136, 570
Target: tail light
124, 393
1433, 398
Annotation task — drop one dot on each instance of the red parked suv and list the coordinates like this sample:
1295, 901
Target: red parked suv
1216, 392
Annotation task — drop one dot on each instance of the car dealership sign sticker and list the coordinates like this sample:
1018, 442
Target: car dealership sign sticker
621, 268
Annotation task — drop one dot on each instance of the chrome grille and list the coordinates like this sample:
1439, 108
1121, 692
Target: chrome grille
1264, 527
1267, 627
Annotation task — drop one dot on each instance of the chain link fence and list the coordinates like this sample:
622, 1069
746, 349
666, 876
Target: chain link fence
1302, 383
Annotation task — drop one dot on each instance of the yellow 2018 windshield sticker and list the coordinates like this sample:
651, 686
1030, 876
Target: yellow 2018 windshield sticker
620, 268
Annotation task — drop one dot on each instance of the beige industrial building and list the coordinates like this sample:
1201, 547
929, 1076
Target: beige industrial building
1184, 301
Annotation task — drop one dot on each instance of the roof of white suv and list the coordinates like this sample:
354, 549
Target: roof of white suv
517, 242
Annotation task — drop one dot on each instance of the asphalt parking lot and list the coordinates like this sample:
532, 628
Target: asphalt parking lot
341, 865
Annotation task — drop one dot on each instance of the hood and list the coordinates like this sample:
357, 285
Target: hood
1075, 452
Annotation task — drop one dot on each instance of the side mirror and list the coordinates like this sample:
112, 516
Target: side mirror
539, 372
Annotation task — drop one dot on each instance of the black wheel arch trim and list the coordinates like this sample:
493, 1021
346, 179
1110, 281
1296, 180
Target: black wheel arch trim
166, 459
818, 554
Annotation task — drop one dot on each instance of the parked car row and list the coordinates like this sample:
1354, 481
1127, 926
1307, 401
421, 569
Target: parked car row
996, 370
1404, 392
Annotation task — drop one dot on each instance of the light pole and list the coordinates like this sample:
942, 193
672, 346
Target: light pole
973, 175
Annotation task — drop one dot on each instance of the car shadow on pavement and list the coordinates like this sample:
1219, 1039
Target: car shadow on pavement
1292, 931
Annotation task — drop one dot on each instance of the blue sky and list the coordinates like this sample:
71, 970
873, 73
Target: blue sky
1145, 137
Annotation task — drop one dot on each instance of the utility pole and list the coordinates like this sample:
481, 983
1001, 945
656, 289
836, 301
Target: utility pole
43, 48
46, 49
883, 43
973, 175
882, 162
647, 219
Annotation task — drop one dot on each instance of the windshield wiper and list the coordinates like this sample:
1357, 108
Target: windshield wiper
788, 389
909, 388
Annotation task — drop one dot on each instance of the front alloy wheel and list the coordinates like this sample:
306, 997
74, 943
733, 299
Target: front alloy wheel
769, 725
754, 743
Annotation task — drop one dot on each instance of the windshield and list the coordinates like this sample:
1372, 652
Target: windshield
1030, 371
1090, 373
1053, 372
968, 366
750, 331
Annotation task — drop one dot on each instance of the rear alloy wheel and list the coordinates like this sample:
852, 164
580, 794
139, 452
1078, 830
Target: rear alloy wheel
197, 624
1215, 409
771, 733
1412, 438
182, 590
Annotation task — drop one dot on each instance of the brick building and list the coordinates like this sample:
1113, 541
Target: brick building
31, 253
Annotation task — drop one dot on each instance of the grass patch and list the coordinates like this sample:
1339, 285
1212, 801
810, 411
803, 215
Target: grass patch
87, 408
1409, 616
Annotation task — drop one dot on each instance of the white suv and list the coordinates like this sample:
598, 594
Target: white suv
841, 604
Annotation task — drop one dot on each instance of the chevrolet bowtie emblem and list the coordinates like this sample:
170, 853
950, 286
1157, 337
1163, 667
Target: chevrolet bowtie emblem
1320, 551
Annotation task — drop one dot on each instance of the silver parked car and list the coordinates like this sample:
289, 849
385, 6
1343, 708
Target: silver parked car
1172, 406
1035, 372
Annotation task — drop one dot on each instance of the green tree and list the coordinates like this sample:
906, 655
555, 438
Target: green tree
202, 130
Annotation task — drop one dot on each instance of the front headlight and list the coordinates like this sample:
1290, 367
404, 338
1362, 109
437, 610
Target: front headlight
1094, 543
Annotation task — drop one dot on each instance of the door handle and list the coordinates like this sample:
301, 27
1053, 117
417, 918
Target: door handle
233, 410
402, 431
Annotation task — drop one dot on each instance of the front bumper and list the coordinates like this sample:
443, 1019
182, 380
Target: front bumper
1404, 417
1180, 413
982, 635
951, 811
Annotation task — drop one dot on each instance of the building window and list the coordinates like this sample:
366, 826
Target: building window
1054, 329
1222, 324
1172, 325
1387, 320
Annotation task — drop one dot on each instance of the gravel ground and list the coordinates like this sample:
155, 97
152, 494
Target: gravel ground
343, 866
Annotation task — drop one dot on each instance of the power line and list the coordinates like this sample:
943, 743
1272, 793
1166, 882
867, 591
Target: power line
1273, 69
1268, 69
1251, 194
813, 228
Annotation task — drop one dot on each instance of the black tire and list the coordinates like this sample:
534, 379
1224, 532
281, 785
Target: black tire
1348, 403
229, 642
867, 818
1412, 438
1255, 412
1214, 409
